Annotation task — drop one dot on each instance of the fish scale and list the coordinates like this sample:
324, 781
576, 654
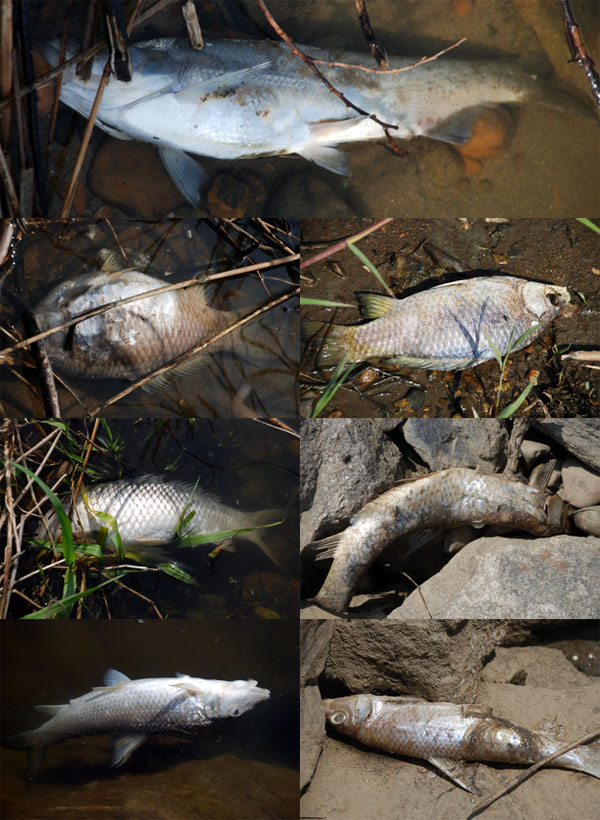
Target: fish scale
444, 733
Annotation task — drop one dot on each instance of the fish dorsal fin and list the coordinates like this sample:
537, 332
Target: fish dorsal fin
114, 678
52, 709
375, 305
456, 771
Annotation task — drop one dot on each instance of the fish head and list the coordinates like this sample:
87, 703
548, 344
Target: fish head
544, 301
222, 698
349, 714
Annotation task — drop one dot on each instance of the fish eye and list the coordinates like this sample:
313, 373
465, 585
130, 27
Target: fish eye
554, 299
235, 711
337, 718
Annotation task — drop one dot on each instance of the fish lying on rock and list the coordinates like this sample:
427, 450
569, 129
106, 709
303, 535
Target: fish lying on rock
136, 709
130, 340
447, 733
449, 498
150, 512
242, 98
449, 327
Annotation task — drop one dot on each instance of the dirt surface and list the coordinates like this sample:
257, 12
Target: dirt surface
412, 255
533, 686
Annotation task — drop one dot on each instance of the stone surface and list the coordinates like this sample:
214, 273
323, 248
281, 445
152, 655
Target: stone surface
303, 196
344, 464
315, 637
442, 443
533, 451
437, 660
312, 732
531, 666
513, 578
581, 487
581, 437
588, 520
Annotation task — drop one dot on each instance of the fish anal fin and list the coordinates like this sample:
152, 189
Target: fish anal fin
187, 174
123, 748
114, 678
456, 771
375, 305
326, 156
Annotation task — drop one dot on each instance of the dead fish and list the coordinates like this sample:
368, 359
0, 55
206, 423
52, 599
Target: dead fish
136, 709
131, 340
446, 499
150, 512
449, 327
447, 733
240, 98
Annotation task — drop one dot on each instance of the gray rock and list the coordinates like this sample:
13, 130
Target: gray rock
315, 637
442, 443
437, 660
312, 732
531, 666
588, 520
344, 464
533, 451
581, 487
581, 437
554, 577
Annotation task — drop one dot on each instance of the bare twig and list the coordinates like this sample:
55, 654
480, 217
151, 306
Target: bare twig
516, 781
578, 50
8, 184
581, 356
376, 50
338, 246
192, 23
278, 424
367, 70
513, 448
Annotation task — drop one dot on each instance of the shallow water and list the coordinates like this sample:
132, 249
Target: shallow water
243, 768
247, 465
243, 382
562, 252
547, 166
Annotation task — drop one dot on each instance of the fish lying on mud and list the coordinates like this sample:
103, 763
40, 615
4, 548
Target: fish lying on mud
239, 98
449, 327
447, 733
449, 498
150, 512
136, 709
131, 340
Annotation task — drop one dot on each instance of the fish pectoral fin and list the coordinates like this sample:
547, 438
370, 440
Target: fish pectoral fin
448, 363
458, 128
188, 175
52, 709
228, 80
456, 771
114, 678
327, 157
375, 305
124, 746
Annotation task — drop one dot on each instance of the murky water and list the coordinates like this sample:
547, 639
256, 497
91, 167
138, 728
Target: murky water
562, 252
257, 376
246, 464
242, 768
548, 164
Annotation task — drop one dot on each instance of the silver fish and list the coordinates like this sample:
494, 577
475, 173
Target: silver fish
447, 733
150, 511
236, 99
446, 499
127, 341
449, 327
136, 709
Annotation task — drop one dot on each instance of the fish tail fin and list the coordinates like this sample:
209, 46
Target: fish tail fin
36, 750
267, 518
582, 759
552, 96
327, 343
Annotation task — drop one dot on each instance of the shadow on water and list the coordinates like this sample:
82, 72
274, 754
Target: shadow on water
532, 160
251, 372
235, 768
244, 463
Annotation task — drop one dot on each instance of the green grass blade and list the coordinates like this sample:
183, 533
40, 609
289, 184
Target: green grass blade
514, 406
517, 342
308, 300
368, 264
111, 521
175, 571
494, 349
333, 385
62, 608
214, 537
588, 223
